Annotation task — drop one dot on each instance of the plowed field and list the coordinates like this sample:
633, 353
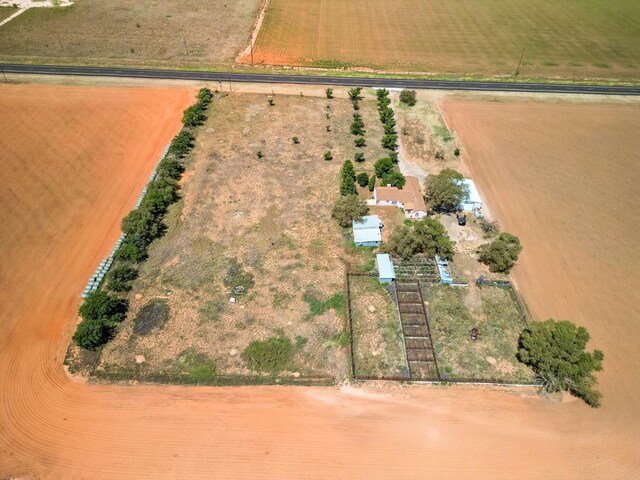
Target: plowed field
72, 164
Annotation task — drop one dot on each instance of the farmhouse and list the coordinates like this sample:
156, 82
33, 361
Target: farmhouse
410, 198
472, 201
366, 231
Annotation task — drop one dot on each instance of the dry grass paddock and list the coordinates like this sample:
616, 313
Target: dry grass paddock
185, 32
270, 215
541, 38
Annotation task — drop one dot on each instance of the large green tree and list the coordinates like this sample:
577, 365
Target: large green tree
501, 254
349, 208
445, 191
427, 236
555, 350
383, 166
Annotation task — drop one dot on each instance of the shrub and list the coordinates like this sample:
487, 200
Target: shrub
383, 166
347, 209
501, 254
444, 191
393, 156
153, 315
259, 154
386, 114
182, 144
100, 306
372, 183
427, 236
395, 179
93, 334
390, 141
271, 356
328, 155
295, 140
121, 277
556, 353
360, 142
205, 96
328, 128
363, 179
359, 157
348, 187
271, 102
194, 115
329, 92
382, 93
456, 152
408, 97
347, 171
354, 93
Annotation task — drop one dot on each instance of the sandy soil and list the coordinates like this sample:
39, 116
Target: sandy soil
54, 428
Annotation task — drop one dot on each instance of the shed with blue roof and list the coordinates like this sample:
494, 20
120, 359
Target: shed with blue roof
366, 231
386, 272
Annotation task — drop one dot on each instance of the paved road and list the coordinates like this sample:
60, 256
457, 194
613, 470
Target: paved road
320, 80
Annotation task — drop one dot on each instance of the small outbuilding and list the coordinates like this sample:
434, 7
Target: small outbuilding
472, 201
366, 231
386, 272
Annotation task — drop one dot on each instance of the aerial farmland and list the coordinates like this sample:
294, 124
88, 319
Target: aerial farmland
209, 273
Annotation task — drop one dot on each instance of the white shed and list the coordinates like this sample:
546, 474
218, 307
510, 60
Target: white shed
472, 201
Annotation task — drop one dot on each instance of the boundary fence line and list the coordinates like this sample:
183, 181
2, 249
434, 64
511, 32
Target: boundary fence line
98, 276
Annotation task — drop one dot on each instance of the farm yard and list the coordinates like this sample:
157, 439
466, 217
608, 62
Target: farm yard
536, 39
171, 32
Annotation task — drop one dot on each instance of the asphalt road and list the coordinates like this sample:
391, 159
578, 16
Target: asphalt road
320, 80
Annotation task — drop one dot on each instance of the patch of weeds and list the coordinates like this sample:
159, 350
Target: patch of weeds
281, 300
301, 341
318, 307
271, 356
237, 277
153, 315
316, 246
443, 132
196, 365
212, 310
341, 339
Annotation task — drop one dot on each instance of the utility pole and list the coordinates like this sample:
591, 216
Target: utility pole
59, 41
184, 39
5, 77
524, 47
252, 50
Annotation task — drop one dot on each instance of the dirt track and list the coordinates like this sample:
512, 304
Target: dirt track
65, 191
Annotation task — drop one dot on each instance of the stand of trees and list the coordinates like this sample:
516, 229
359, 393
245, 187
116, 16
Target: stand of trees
444, 192
427, 236
347, 209
501, 254
555, 350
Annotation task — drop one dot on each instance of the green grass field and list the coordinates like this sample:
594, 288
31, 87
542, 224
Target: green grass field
539, 38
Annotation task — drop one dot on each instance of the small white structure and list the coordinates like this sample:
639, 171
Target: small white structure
366, 232
473, 201
386, 272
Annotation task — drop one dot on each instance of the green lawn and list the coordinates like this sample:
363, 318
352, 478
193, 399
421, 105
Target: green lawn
7, 12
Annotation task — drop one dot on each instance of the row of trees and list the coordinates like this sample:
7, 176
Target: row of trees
102, 312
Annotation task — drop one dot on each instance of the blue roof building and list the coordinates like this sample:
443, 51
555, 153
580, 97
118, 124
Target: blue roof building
366, 232
386, 272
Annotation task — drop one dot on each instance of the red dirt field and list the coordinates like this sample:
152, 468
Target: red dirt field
73, 161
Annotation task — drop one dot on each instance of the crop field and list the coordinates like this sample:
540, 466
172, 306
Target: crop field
377, 332
255, 214
541, 38
175, 32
